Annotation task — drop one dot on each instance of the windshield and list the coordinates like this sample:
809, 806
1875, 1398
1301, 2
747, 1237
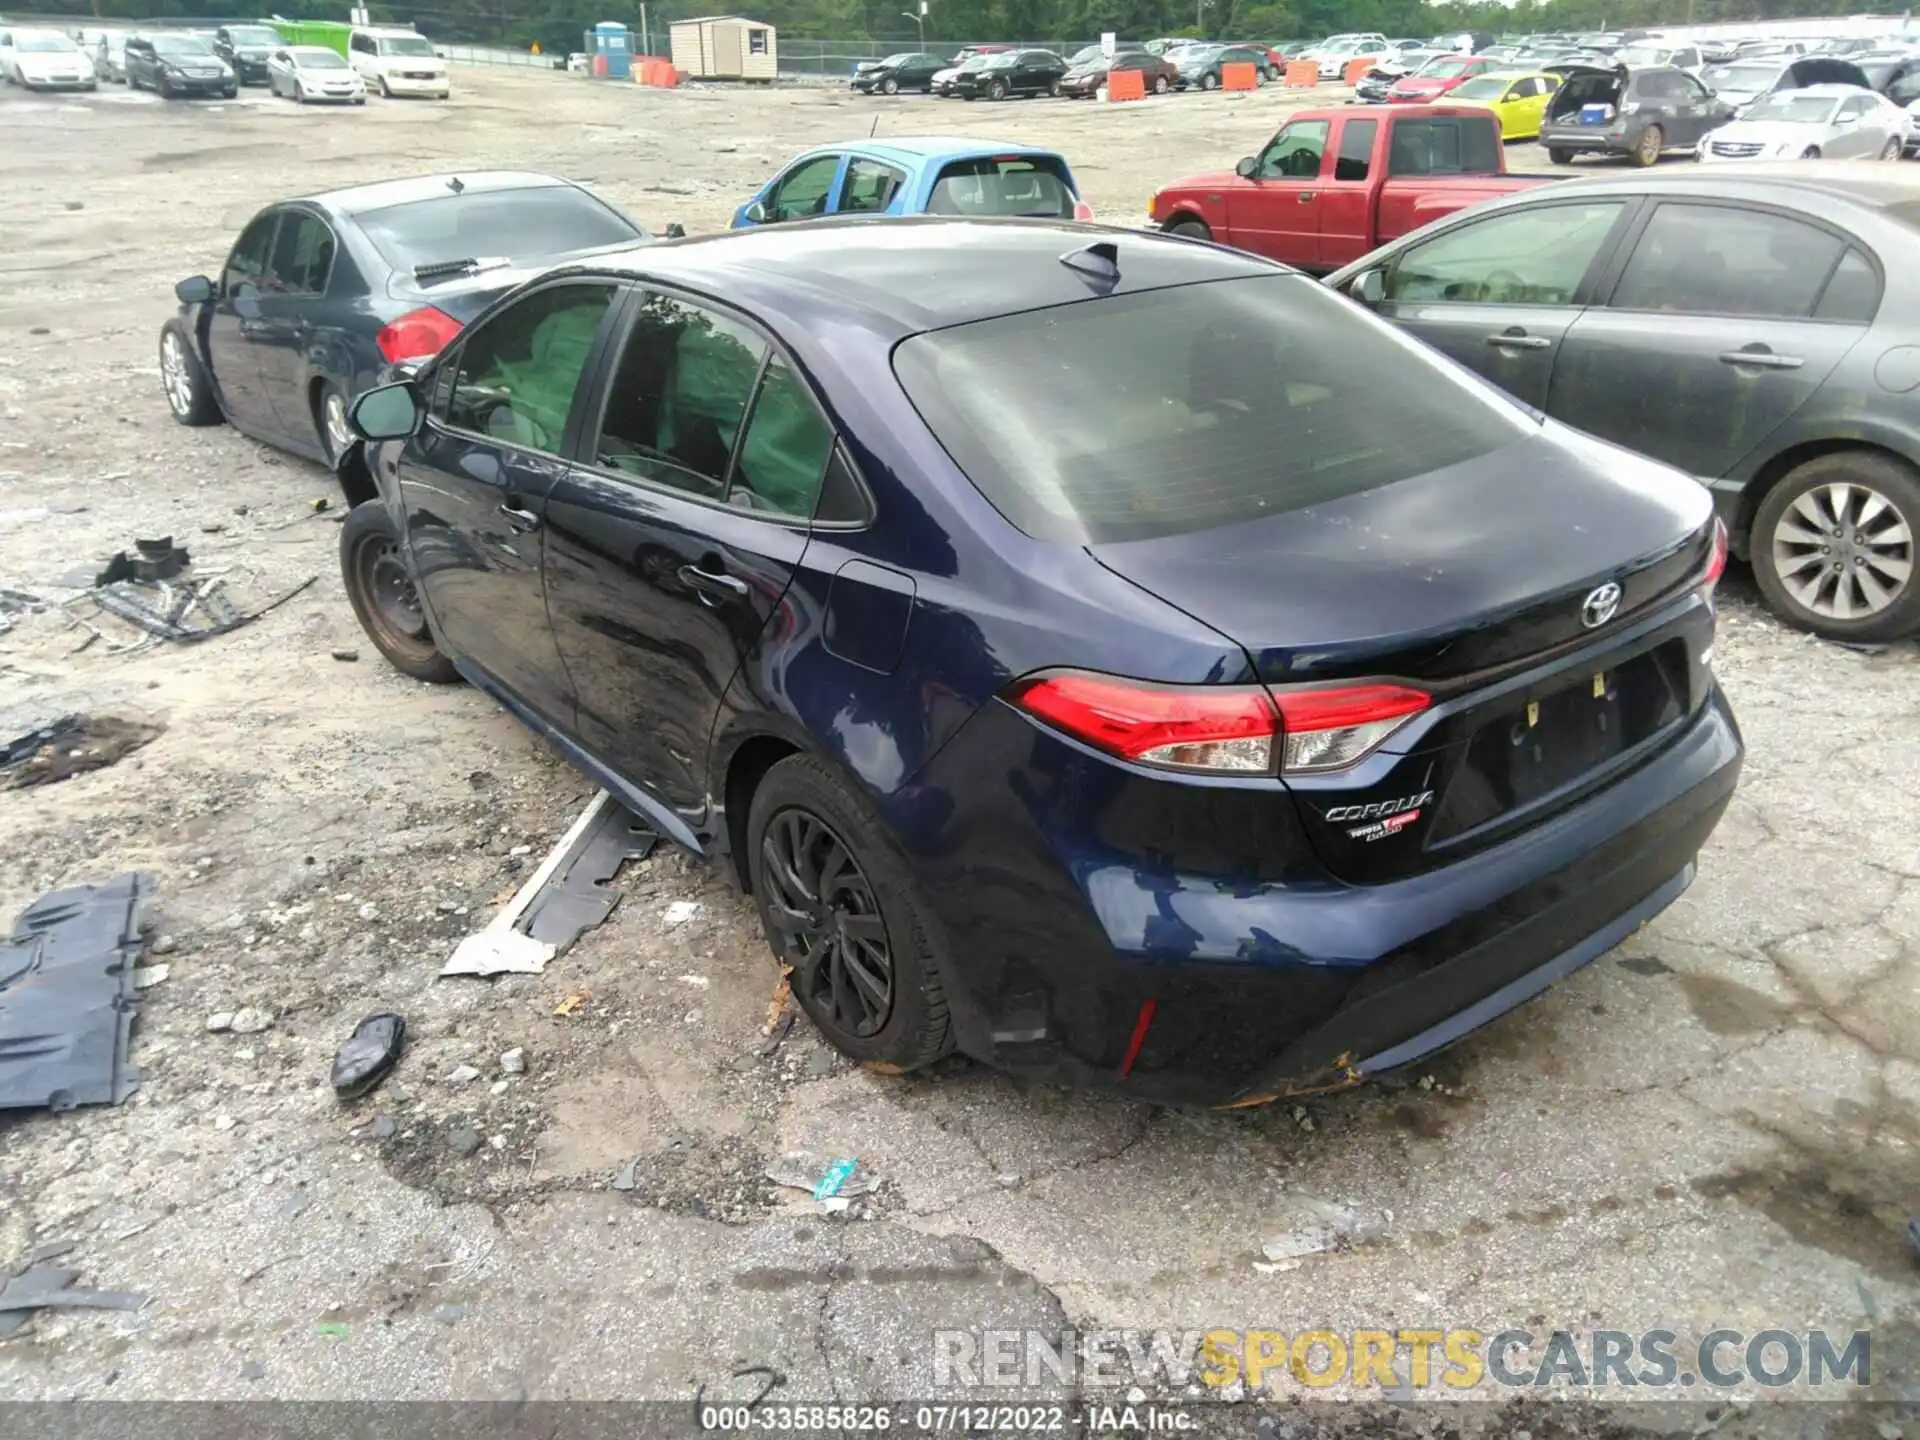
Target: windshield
1192, 408
1034, 186
1807, 110
523, 225
406, 45
1201, 54
1444, 69
1639, 57
251, 35
1743, 79
998, 62
44, 44
899, 59
318, 58
180, 45
1484, 87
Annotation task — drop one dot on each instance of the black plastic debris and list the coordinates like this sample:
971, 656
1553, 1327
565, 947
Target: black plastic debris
40, 1287
67, 1000
151, 560
369, 1055
69, 746
577, 896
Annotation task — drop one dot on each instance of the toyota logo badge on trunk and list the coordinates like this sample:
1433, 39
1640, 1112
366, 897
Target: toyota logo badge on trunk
1598, 607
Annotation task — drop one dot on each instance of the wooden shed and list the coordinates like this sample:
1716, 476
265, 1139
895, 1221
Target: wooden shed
724, 47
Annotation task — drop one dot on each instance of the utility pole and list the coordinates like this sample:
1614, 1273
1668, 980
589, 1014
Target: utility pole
646, 39
1199, 9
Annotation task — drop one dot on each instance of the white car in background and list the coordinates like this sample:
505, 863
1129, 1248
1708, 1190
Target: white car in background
399, 62
313, 72
45, 59
1333, 59
1817, 122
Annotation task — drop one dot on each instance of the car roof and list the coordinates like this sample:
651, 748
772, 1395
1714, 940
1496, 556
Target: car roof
922, 272
934, 147
354, 199
1831, 90
1869, 184
311, 50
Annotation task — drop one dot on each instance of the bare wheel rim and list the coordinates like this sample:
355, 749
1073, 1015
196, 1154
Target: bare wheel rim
1843, 551
828, 923
175, 374
1650, 145
333, 416
393, 602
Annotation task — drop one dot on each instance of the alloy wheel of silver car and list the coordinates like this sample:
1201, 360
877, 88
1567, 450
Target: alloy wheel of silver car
1843, 551
333, 417
176, 373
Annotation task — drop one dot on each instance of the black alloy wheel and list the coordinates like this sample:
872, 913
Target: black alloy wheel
822, 905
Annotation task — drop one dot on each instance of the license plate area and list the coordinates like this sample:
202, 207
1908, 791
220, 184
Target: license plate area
1550, 740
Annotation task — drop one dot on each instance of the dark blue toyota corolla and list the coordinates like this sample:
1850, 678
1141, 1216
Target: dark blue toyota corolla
1116, 658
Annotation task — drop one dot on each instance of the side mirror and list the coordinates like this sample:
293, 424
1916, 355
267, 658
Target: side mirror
387, 412
1247, 168
757, 213
1369, 287
675, 230
196, 291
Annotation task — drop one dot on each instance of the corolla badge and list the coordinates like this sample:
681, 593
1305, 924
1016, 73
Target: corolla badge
1599, 607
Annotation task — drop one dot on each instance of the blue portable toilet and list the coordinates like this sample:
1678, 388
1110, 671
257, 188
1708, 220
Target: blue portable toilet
612, 50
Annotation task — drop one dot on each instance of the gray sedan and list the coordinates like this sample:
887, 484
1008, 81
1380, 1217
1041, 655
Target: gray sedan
1753, 325
1831, 122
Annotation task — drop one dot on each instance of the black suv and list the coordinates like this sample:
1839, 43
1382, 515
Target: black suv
913, 71
246, 48
178, 65
1011, 72
1636, 113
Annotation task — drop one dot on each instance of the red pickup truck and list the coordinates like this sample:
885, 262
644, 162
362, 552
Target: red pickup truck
1335, 184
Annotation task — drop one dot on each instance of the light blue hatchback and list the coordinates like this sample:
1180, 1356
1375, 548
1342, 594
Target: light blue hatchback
918, 175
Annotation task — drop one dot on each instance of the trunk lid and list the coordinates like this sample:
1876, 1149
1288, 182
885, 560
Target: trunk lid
463, 294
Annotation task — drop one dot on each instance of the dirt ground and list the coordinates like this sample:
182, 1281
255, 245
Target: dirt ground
1713, 1126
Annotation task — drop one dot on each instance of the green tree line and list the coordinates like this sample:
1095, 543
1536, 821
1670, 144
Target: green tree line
557, 24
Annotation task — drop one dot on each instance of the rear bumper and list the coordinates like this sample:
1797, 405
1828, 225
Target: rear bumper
1269, 981
1590, 139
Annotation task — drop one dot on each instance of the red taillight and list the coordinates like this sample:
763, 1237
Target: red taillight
1717, 560
417, 335
1221, 729
1082, 210
1334, 728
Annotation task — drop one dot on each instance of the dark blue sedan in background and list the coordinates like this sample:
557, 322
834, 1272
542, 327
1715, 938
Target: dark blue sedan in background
1119, 659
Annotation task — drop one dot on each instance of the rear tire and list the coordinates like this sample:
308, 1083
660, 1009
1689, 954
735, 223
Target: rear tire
867, 934
386, 597
1891, 150
1652, 141
1559, 155
1796, 519
1190, 229
997, 90
188, 387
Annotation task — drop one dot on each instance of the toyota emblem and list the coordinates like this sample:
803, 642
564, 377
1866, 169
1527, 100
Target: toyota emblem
1598, 608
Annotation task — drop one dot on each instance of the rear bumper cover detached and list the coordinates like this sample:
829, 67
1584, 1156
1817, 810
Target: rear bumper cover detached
1074, 961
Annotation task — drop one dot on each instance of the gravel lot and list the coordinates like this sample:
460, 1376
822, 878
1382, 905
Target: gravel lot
1713, 1126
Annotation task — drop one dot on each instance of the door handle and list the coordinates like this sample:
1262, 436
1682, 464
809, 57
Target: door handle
1306, 196
1762, 360
520, 521
1519, 340
710, 587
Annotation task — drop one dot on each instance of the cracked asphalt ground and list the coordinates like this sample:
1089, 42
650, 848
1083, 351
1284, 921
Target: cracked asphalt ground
1712, 1127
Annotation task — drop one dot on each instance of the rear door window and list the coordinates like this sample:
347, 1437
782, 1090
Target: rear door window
1853, 294
1186, 409
1535, 256
302, 254
1356, 149
785, 449
1719, 260
1024, 185
869, 187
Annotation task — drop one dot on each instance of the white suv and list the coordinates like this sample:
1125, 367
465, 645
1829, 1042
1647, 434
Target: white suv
398, 62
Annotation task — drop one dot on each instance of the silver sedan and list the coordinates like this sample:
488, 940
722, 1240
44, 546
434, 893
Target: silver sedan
1831, 122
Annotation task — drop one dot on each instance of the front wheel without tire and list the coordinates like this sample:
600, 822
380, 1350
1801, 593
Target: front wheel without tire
997, 90
384, 596
1891, 150
1159, 84
1833, 547
840, 905
1652, 141
330, 419
189, 392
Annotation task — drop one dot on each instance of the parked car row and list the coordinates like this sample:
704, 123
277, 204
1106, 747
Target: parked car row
180, 63
1000, 72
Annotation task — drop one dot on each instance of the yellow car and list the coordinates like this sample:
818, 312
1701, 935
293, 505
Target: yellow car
1519, 100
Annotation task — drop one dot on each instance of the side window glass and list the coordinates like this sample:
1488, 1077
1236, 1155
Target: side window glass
785, 448
1294, 154
515, 377
679, 396
1356, 150
247, 265
1852, 294
804, 191
1709, 260
869, 187
1528, 257
302, 254
843, 501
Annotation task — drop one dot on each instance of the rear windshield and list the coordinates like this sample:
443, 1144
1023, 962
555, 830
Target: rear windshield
1029, 185
1179, 410
518, 224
